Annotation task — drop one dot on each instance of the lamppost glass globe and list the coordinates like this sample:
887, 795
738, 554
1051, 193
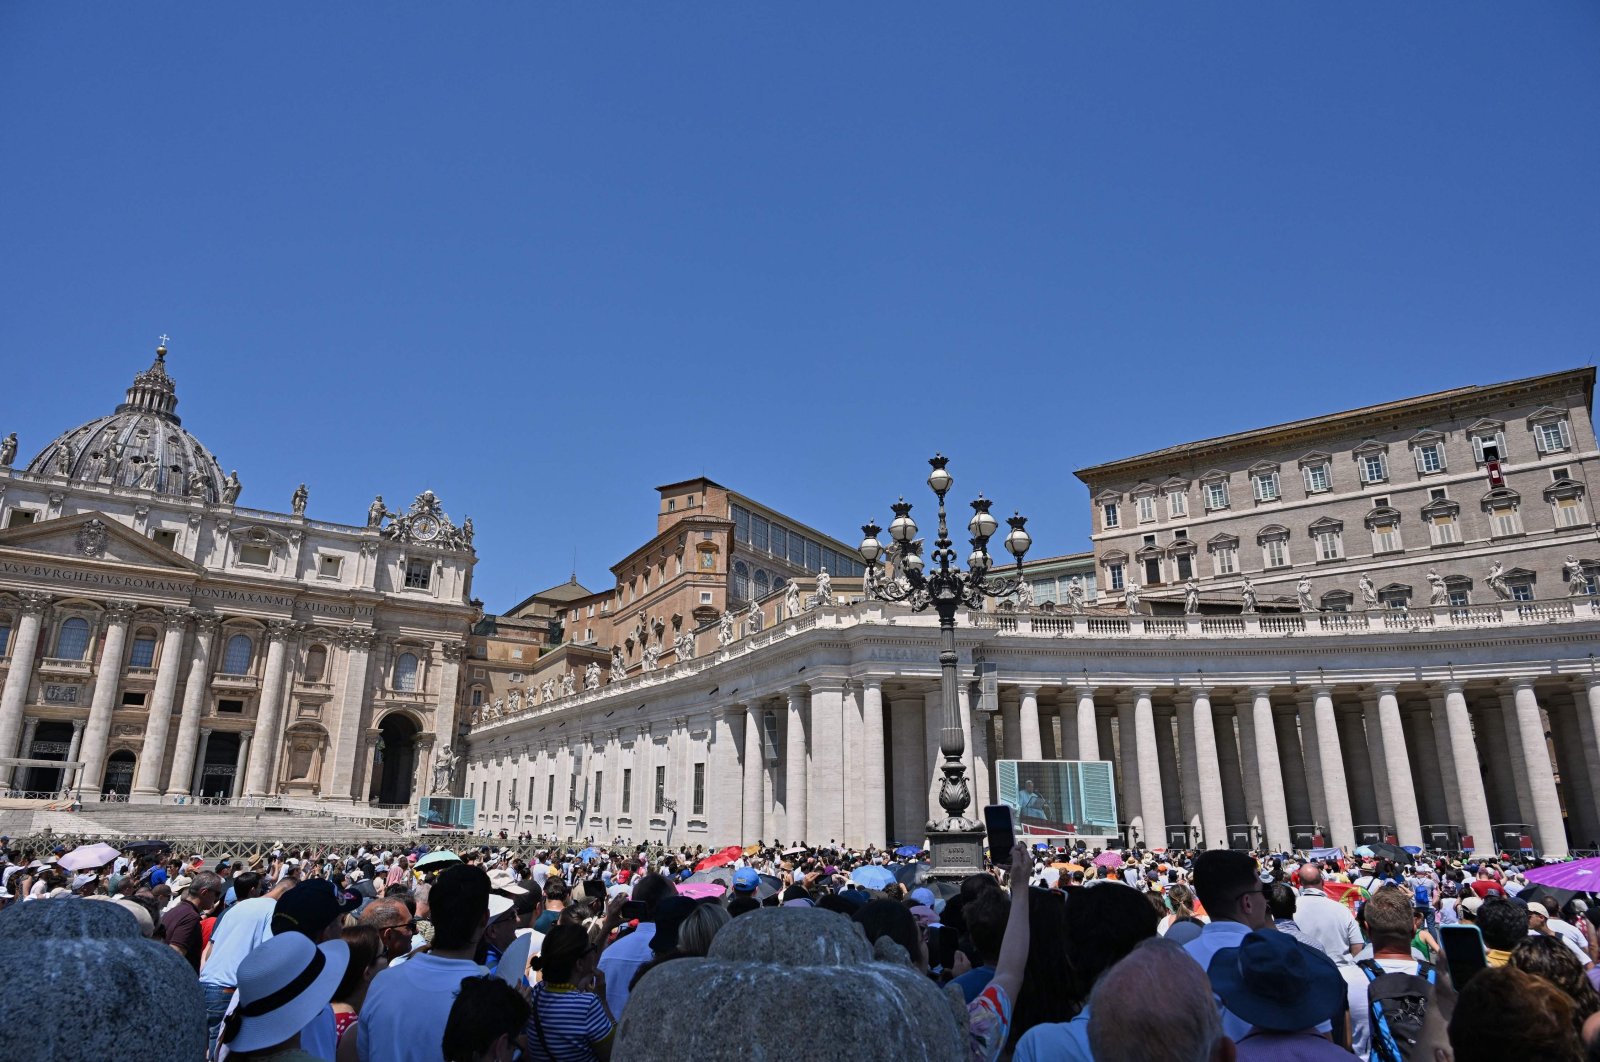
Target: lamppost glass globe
939, 479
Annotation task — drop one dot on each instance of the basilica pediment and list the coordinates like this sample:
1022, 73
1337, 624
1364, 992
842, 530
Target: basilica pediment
93, 536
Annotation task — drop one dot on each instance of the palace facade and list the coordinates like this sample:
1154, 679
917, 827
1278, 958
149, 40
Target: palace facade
161, 642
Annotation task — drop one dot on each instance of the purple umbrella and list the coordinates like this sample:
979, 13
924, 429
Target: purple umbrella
1580, 875
1112, 859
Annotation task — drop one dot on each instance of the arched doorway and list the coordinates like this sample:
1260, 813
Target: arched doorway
119, 774
220, 765
397, 747
52, 740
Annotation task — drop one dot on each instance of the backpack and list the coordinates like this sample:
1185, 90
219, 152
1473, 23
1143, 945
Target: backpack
1398, 1006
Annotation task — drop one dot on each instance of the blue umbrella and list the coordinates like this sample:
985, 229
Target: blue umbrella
907, 850
1414, 849
589, 853
872, 877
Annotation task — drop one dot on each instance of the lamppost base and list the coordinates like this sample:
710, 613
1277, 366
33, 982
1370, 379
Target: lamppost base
956, 854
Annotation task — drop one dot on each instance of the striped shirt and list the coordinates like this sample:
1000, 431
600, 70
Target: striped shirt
563, 1025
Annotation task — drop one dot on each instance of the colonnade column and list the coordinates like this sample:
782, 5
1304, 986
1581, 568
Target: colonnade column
185, 765
1213, 817
795, 768
1031, 745
74, 773
1552, 833
237, 790
24, 647
727, 821
351, 707
198, 769
754, 762
1274, 806
1341, 827
268, 711
875, 823
1402, 793
159, 720
108, 676
1151, 807
825, 804
1088, 728
1010, 725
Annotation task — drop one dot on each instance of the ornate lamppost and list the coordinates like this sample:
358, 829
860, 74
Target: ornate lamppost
956, 840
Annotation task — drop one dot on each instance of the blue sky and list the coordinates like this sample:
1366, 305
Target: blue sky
540, 259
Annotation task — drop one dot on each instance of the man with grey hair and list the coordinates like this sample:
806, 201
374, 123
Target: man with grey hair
181, 923
1156, 1005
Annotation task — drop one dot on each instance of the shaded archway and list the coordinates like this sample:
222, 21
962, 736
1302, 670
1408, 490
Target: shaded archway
119, 774
52, 740
220, 766
397, 736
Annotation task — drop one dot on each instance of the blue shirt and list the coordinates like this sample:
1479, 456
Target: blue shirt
974, 981
1064, 1041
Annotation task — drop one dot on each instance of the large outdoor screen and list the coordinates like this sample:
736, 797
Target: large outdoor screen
1059, 798
447, 813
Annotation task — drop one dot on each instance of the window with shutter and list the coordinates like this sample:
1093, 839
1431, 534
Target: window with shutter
1569, 512
1317, 478
1442, 529
1177, 503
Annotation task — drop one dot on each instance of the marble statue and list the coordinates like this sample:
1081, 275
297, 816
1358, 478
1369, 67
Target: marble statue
466, 531
1577, 581
498, 708
1130, 597
619, 666
95, 466
195, 481
297, 503
376, 512
591, 676
872, 581
444, 768
683, 647
1075, 595
514, 701
1302, 595
64, 460
231, 488
1191, 597
652, 656
754, 619
1248, 592
1024, 595
547, 691
1497, 581
147, 474
791, 600
8, 450
725, 629
1369, 592
824, 588
569, 684
1438, 592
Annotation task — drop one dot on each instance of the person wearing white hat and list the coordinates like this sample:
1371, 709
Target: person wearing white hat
283, 984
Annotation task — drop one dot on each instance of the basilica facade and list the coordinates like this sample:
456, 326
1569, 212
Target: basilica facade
161, 642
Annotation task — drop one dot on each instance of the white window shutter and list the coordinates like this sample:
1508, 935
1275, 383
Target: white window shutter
1500, 441
1305, 474
1416, 455
1566, 436
1477, 449
1383, 466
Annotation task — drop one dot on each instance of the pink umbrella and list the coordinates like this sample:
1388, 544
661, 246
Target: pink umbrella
1108, 859
701, 890
1580, 875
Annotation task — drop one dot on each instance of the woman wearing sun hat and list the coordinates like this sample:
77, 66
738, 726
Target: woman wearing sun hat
283, 984
1284, 989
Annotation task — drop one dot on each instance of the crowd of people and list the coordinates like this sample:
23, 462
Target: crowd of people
493, 954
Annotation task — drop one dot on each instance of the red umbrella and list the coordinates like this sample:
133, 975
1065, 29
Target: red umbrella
723, 858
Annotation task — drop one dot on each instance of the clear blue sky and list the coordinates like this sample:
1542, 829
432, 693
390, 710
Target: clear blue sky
542, 258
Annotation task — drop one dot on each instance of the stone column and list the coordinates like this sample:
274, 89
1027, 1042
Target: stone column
1429, 781
1305, 705
1274, 804
933, 732
185, 765
1291, 756
1249, 765
1031, 744
1151, 806
750, 830
907, 735
726, 821
1449, 768
1066, 725
147, 783
350, 714
1330, 757
239, 762
875, 823
1358, 769
108, 676
269, 711
198, 769
1233, 801
1127, 769
1171, 784
1088, 734
976, 754
1010, 725
24, 648
448, 656
1402, 794
73, 773
825, 804
29, 726
1213, 818
1377, 752
1551, 830
795, 781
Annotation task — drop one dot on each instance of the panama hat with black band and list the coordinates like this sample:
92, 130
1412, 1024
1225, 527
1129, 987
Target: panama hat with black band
283, 984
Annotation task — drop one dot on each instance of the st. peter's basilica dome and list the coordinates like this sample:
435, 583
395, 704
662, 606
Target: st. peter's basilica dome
142, 445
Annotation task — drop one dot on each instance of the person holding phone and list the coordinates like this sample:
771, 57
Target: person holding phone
989, 1016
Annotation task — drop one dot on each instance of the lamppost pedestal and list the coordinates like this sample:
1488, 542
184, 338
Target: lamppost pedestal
957, 854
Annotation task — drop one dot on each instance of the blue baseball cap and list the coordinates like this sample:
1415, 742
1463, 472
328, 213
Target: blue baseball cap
745, 879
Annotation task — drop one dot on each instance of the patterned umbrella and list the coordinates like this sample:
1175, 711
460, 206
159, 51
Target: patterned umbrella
1111, 859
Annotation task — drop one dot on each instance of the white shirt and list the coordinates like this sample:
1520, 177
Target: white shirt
622, 960
246, 926
407, 1006
1572, 937
1329, 924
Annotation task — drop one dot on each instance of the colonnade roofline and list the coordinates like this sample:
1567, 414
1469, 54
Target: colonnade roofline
888, 645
